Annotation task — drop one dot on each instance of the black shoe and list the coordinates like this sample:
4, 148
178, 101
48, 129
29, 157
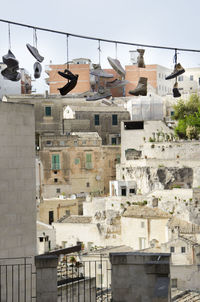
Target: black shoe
69, 86
10, 60
176, 93
33, 50
37, 70
67, 74
11, 75
178, 70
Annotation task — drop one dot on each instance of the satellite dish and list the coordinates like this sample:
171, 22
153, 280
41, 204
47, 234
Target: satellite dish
98, 177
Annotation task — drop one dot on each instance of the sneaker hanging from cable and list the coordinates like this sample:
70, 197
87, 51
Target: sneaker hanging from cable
178, 70
116, 65
72, 81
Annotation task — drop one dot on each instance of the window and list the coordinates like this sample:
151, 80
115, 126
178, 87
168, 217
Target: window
48, 143
142, 243
172, 249
87, 184
132, 191
55, 179
183, 249
77, 161
55, 162
118, 158
88, 162
62, 143
123, 190
172, 113
133, 125
58, 190
174, 283
113, 141
142, 224
75, 143
48, 111
55, 172
51, 217
180, 78
41, 239
96, 120
191, 78
114, 120
67, 212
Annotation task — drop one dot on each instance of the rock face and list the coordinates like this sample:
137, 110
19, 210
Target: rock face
169, 177
151, 178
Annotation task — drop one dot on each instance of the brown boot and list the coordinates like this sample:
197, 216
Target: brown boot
140, 59
141, 88
176, 93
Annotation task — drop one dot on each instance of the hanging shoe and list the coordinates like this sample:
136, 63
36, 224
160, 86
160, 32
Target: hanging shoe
33, 50
176, 93
67, 74
11, 74
101, 73
141, 88
10, 60
98, 96
116, 83
116, 65
37, 70
178, 70
70, 85
96, 66
140, 58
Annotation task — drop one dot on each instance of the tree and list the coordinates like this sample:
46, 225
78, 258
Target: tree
188, 116
181, 109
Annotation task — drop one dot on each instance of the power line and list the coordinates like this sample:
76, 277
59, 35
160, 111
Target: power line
98, 39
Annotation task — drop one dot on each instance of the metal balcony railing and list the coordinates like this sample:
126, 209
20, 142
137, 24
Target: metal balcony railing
81, 280
17, 280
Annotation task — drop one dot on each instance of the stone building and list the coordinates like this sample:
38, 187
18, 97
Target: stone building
51, 210
59, 116
151, 159
76, 163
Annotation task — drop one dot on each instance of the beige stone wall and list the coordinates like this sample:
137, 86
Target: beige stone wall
73, 175
17, 180
135, 228
59, 208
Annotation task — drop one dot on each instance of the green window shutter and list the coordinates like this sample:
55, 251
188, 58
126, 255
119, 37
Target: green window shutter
88, 162
118, 158
48, 111
55, 162
77, 161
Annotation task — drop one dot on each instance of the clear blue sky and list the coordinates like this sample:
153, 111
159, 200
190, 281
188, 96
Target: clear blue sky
173, 23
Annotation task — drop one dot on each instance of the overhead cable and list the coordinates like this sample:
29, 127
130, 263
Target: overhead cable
98, 39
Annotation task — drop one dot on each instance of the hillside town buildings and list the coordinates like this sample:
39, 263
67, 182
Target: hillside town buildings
110, 176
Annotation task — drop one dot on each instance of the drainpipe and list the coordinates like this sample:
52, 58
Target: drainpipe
148, 229
58, 212
40, 183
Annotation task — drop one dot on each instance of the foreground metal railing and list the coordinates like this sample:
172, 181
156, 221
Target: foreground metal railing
84, 278
17, 280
